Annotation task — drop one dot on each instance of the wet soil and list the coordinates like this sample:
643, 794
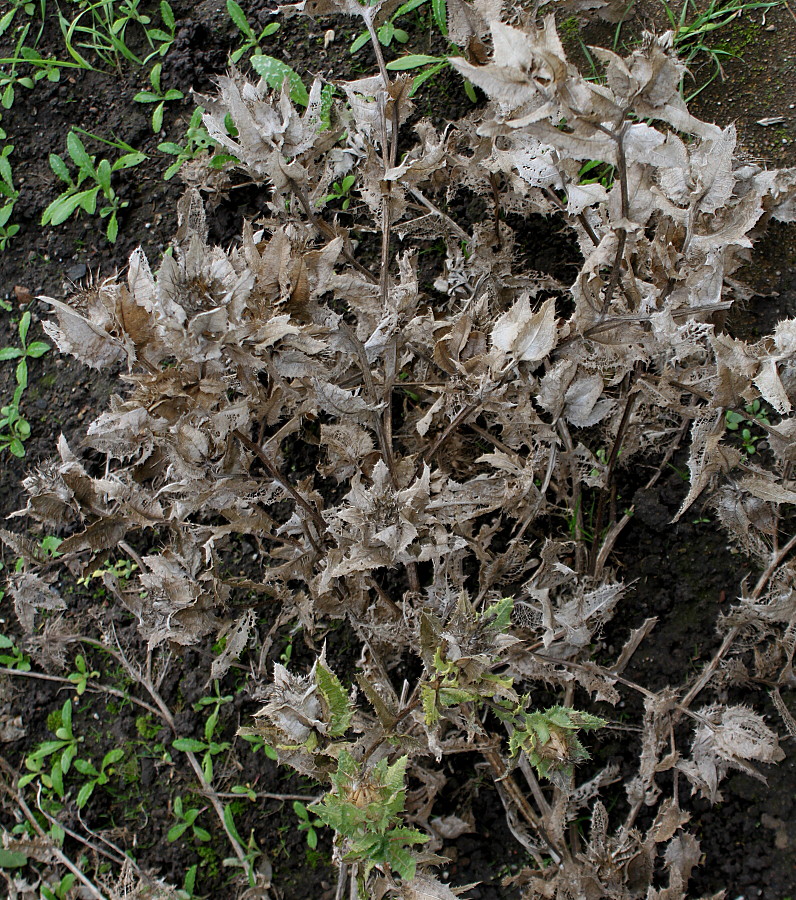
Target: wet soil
748, 841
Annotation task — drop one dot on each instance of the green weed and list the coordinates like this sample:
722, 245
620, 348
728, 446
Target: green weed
251, 40
14, 429
195, 142
58, 754
101, 28
157, 95
755, 413
76, 196
186, 819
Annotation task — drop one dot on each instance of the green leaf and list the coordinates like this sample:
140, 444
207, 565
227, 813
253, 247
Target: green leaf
4, 23
423, 77
157, 117
79, 153
45, 749
229, 821
170, 147
176, 831
146, 97
200, 833
86, 767
411, 61
167, 15
24, 325
22, 373
67, 756
385, 33
336, 699
172, 170
7, 100
239, 18
57, 776
128, 160
274, 71
189, 745
10, 353
84, 794
429, 698
63, 207
112, 756
104, 176
360, 42
470, 91
57, 834
191, 815
36, 349
89, 200
440, 11
12, 859
113, 229
498, 615
60, 168
189, 883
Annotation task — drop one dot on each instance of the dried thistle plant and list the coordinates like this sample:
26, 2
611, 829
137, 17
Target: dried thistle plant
315, 327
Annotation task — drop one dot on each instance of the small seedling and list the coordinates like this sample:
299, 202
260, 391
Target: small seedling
256, 742
186, 819
14, 429
100, 29
8, 191
196, 141
61, 752
17, 7
245, 790
59, 891
95, 776
189, 884
389, 31
208, 747
251, 40
157, 95
80, 677
10, 655
341, 190
307, 823
754, 412
76, 197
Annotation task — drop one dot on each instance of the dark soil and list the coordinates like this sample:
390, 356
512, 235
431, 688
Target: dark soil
680, 574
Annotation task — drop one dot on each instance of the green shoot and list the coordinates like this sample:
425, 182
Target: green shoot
251, 40
157, 95
76, 196
186, 818
14, 429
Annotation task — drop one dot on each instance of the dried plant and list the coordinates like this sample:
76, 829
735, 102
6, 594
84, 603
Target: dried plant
438, 426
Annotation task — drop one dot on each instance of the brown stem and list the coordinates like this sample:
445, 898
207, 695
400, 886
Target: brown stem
576, 504
609, 475
277, 476
52, 847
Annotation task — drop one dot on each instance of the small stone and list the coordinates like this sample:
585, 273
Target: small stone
76, 272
